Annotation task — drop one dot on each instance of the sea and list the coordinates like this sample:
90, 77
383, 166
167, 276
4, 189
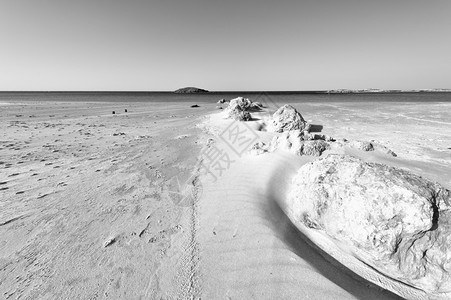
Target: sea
213, 97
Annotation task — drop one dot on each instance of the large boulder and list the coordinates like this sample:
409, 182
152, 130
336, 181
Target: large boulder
287, 118
397, 222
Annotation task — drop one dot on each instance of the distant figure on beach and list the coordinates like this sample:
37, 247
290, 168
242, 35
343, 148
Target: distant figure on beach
113, 112
125, 110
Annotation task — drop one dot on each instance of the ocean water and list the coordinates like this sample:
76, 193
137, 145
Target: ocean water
265, 97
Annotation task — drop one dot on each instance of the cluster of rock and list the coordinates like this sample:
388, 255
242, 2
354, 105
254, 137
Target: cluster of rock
294, 132
296, 137
397, 222
394, 221
239, 108
297, 142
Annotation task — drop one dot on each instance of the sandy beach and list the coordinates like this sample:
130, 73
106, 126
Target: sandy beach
96, 205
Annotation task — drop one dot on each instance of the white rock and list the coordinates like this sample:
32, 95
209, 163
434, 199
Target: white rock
287, 118
398, 220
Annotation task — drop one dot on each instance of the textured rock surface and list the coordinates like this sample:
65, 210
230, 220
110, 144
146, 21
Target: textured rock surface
237, 109
295, 141
362, 145
258, 148
243, 103
313, 148
287, 118
396, 221
370, 146
238, 114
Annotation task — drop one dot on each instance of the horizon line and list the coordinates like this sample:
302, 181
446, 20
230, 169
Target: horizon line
364, 90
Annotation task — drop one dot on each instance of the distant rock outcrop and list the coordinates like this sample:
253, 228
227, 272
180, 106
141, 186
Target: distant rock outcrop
394, 221
287, 118
190, 90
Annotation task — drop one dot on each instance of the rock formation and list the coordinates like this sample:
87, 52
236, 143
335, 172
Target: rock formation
397, 222
190, 90
371, 146
296, 142
287, 118
243, 103
237, 113
258, 148
238, 109
362, 145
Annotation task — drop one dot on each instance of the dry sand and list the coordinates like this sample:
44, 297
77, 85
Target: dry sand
85, 210
90, 205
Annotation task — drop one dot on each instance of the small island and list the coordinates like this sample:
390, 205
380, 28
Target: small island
190, 90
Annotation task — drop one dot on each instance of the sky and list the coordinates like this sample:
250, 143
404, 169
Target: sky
257, 45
